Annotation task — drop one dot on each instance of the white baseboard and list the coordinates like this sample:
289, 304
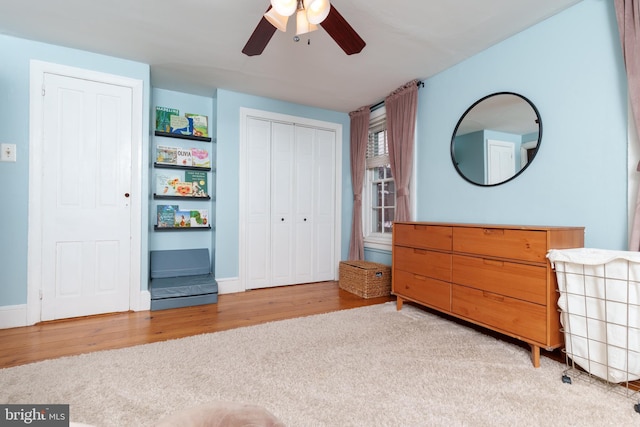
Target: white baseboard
13, 316
229, 285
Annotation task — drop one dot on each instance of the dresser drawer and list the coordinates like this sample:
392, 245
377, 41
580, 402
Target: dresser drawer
520, 319
525, 245
522, 281
425, 290
436, 265
422, 236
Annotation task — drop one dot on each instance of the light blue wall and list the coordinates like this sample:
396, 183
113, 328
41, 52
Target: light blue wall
570, 66
185, 103
228, 136
14, 113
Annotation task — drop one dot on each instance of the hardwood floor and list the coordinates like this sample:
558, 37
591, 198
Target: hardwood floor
68, 337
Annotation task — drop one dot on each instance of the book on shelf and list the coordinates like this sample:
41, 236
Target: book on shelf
166, 183
163, 118
184, 189
182, 218
200, 158
200, 124
199, 217
184, 157
166, 155
199, 182
181, 125
166, 215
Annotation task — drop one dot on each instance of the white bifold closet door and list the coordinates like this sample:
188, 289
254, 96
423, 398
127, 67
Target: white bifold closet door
291, 203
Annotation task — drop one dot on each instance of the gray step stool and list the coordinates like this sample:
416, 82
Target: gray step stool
181, 278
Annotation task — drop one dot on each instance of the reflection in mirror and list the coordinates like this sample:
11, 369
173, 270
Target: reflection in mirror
496, 139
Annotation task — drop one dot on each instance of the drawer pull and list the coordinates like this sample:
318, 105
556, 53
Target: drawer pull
417, 277
494, 297
419, 251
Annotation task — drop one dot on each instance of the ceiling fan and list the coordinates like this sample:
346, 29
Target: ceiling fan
309, 14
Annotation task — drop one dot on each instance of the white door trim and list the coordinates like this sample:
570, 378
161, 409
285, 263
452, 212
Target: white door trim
245, 113
36, 211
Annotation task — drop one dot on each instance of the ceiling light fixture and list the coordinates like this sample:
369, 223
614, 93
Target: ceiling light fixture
309, 13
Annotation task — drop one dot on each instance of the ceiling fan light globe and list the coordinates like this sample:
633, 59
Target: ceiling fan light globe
317, 10
284, 7
277, 20
303, 26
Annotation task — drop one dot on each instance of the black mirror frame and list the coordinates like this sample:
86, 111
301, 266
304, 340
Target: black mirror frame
455, 131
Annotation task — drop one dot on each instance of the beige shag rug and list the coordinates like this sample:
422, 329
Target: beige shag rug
370, 366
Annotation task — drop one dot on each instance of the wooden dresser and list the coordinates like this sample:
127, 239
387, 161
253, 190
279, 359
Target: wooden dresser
496, 276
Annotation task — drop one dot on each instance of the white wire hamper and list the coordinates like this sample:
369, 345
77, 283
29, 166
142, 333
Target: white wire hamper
599, 304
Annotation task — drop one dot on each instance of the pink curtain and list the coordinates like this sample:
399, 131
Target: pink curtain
401, 108
628, 16
359, 137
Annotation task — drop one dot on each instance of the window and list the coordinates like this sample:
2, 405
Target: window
380, 194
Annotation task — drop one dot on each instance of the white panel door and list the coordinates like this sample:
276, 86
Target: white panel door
282, 196
324, 183
86, 185
501, 164
304, 205
258, 203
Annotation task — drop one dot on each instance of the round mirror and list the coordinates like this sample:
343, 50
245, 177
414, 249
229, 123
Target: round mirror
496, 139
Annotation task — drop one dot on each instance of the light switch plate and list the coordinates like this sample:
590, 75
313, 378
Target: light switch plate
8, 152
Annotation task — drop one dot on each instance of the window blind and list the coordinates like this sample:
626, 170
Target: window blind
377, 147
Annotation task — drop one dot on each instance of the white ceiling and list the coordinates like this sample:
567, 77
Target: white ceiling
194, 46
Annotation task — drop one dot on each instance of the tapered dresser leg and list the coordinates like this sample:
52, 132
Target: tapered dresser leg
535, 355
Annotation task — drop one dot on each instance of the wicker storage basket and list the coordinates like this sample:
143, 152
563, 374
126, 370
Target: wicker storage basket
365, 278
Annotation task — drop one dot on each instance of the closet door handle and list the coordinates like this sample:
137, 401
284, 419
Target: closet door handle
281, 219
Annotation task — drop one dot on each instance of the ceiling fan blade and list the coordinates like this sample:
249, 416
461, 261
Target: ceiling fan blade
343, 33
260, 37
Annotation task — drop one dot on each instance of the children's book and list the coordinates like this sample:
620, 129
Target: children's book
199, 217
199, 180
200, 124
184, 157
166, 182
180, 124
184, 189
166, 215
166, 155
182, 218
200, 158
163, 118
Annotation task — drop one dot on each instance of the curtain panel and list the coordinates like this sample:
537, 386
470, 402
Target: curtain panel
628, 17
359, 135
401, 108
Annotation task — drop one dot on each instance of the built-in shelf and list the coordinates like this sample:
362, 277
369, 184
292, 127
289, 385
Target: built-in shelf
180, 136
167, 166
156, 228
160, 196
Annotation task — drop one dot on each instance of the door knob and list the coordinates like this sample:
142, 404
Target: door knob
126, 195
